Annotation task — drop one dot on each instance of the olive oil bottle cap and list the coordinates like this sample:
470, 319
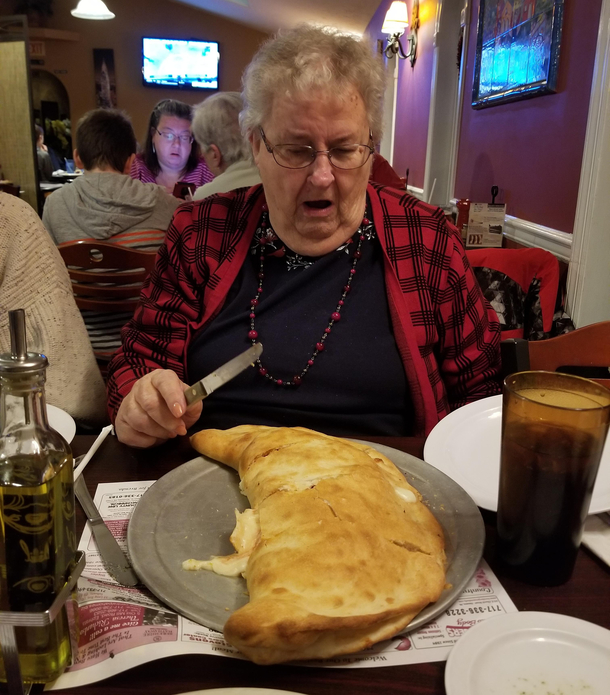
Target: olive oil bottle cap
20, 361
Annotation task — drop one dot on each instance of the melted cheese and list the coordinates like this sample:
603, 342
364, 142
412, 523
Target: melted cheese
406, 495
227, 565
247, 531
244, 538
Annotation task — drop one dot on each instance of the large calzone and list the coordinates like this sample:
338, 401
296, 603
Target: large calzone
338, 550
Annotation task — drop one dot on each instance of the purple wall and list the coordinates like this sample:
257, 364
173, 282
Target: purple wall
413, 97
532, 149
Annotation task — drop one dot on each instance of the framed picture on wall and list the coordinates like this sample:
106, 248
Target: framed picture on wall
517, 53
105, 79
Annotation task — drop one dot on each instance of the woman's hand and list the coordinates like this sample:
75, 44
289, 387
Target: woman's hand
155, 410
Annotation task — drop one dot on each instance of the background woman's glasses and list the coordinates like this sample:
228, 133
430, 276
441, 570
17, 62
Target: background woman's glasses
170, 137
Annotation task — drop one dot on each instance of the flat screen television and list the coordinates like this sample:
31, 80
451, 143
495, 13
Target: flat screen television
180, 63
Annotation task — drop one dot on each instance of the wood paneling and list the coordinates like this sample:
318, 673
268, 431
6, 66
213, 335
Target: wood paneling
17, 149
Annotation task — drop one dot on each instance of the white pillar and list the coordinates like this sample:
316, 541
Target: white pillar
588, 284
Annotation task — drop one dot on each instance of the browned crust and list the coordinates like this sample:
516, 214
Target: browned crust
343, 561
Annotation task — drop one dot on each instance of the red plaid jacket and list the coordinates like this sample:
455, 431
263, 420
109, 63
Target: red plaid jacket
447, 334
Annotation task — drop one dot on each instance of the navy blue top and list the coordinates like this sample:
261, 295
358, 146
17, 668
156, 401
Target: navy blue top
357, 385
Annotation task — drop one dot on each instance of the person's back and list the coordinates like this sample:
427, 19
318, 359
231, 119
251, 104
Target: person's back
107, 204
33, 277
106, 201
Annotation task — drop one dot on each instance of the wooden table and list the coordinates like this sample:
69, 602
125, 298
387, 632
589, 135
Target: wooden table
586, 596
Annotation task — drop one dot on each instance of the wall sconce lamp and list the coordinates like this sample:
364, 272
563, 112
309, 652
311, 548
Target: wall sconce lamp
92, 9
395, 24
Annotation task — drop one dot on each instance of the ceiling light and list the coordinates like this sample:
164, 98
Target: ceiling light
92, 9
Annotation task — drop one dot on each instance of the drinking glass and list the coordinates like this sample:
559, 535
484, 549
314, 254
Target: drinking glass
553, 432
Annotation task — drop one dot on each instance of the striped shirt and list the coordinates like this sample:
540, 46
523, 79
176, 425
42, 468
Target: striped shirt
199, 175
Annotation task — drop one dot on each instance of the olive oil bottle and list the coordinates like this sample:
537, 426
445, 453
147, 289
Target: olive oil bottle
37, 530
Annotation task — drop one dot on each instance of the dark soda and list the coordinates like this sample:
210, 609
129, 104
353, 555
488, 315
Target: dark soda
546, 482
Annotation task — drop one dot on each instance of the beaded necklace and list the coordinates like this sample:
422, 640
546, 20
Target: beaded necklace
266, 242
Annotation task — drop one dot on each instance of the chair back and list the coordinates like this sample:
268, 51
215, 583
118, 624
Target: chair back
106, 277
583, 352
11, 189
522, 287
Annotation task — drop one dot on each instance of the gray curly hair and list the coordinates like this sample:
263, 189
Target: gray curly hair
307, 58
215, 122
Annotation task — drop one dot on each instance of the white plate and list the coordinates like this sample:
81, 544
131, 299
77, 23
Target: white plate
530, 653
466, 446
61, 422
240, 691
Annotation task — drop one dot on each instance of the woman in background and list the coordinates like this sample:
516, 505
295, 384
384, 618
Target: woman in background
170, 152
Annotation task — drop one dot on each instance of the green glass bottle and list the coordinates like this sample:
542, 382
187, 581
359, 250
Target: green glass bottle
37, 532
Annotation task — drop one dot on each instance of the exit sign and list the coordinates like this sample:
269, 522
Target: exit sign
37, 49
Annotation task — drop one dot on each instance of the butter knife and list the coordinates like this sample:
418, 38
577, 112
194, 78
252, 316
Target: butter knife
203, 388
115, 562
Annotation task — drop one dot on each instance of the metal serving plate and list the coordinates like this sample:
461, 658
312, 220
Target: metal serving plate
189, 513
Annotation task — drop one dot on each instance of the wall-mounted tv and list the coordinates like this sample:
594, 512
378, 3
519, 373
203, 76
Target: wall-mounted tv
180, 63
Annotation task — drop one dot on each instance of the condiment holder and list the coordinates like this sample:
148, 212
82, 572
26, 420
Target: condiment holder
9, 620
38, 529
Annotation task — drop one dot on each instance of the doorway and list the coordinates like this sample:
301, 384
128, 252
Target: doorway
51, 109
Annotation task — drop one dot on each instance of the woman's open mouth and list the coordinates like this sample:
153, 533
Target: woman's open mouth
318, 204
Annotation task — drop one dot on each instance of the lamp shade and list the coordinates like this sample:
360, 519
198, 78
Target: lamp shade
396, 18
92, 9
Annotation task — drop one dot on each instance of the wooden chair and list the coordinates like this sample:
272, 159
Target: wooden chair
106, 277
10, 189
383, 173
583, 352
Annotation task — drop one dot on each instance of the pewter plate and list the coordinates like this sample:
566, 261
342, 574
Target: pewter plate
189, 513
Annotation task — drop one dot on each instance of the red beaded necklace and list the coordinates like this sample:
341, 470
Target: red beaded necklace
334, 317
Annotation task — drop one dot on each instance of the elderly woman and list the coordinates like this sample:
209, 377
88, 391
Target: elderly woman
170, 152
370, 316
224, 148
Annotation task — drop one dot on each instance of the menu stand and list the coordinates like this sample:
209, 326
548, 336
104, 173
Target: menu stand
11, 619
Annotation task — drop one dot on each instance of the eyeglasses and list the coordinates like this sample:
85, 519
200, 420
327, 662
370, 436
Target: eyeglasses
170, 137
301, 156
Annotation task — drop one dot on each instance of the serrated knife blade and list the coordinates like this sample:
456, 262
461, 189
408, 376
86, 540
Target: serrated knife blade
203, 388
